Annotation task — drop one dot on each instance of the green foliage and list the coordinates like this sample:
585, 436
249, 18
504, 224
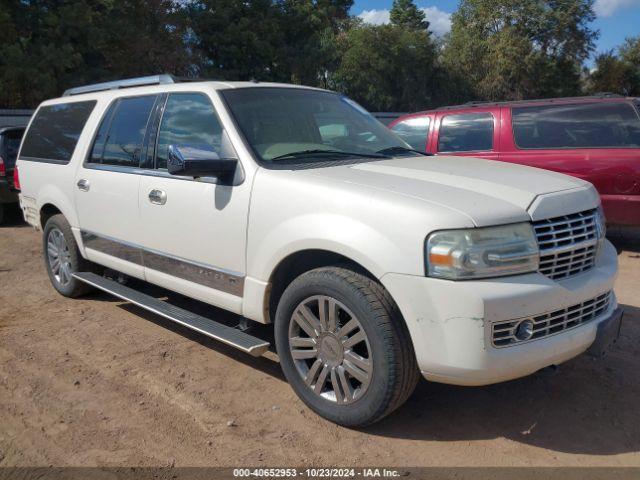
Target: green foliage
387, 67
514, 49
286, 40
618, 73
497, 49
405, 13
50, 45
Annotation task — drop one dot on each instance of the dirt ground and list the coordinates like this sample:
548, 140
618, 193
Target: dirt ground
95, 381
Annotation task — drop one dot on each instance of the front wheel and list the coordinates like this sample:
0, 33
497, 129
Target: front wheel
344, 347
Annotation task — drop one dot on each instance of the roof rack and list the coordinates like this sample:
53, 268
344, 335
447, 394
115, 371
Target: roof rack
128, 83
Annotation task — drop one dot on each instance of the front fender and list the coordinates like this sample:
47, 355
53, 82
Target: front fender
335, 233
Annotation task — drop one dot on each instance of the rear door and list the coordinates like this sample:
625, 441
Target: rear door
470, 132
107, 184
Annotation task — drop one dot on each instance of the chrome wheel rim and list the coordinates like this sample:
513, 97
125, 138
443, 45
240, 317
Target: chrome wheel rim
59, 257
330, 349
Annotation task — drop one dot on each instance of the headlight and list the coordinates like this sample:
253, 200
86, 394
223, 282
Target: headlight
482, 252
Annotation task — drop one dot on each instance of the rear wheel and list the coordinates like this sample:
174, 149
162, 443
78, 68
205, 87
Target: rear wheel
344, 347
62, 258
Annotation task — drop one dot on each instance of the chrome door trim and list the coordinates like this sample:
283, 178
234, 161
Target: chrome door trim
213, 277
238, 179
116, 248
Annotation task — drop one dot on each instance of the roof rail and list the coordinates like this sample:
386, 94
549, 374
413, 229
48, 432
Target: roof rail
487, 103
607, 95
128, 83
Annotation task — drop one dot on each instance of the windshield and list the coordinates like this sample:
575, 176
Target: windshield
300, 125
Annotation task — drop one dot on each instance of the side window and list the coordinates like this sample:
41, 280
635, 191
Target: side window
120, 138
467, 132
55, 130
189, 120
414, 131
11, 145
595, 125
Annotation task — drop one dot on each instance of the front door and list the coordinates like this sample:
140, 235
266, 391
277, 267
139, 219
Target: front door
194, 230
106, 186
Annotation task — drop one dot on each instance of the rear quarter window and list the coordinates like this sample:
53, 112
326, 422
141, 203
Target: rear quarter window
596, 125
54, 132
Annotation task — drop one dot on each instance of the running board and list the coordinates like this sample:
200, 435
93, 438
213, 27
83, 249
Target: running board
223, 333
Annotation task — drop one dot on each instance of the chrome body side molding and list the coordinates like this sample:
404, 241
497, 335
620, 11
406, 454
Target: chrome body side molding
202, 274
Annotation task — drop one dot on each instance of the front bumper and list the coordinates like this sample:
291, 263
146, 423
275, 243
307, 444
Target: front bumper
450, 322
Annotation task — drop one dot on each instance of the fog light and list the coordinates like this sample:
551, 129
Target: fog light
524, 330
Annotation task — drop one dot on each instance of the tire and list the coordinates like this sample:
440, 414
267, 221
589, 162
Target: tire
57, 237
2, 208
370, 364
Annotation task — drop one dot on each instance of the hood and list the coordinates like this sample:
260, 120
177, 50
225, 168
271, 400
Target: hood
489, 192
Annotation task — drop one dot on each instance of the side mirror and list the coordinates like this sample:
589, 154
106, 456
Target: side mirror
193, 162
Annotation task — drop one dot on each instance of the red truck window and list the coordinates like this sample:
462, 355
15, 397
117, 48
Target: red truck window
595, 125
413, 131
466, 132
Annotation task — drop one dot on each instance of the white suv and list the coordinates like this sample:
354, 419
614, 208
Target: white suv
293, 206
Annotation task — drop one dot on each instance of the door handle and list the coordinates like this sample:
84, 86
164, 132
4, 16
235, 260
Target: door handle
157, 197
83, 185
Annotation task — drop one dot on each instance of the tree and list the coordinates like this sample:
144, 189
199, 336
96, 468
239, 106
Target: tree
310, 29
48, 45
237, 40
387, 67
284, 40
630, 51
515, 49
617, 72
405, 13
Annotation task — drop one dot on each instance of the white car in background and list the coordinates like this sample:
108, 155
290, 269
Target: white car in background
293, 206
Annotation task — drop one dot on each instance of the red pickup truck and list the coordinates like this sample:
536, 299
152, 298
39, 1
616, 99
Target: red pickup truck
595, 138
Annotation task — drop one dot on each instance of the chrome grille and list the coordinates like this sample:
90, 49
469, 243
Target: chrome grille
568, 244
546, 324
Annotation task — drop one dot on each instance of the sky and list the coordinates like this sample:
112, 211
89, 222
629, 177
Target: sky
616, 19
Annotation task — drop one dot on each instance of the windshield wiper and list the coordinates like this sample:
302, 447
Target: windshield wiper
398, 149
304, 153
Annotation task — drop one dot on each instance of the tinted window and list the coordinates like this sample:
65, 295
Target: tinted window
189, 120
120, 138
614, 124
466, 133
55, 130
413, 131
10, 145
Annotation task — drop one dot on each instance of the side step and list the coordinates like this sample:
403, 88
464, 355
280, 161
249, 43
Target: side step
225, 334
